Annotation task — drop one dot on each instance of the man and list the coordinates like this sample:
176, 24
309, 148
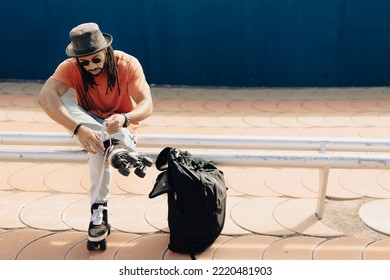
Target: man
112, 97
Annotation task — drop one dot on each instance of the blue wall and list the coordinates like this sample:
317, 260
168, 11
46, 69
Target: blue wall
274, 43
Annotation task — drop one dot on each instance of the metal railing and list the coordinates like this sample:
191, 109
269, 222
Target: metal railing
214, 142
299, 152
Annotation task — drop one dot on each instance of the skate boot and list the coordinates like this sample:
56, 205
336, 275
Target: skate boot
124, 159
98, 228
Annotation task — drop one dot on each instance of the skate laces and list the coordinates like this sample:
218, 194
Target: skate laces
97, 215
106, 153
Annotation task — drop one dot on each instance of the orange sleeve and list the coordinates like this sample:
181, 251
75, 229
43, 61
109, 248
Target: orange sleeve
131, 73
137, 81
67, 72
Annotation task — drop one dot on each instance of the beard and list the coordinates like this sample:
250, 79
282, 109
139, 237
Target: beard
96, 72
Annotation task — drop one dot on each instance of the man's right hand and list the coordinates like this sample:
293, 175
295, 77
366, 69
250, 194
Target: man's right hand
90, 140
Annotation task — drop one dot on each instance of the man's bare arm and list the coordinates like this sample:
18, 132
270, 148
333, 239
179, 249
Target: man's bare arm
50, 101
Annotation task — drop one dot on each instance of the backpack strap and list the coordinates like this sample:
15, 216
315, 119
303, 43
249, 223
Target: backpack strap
192, 255
162, 159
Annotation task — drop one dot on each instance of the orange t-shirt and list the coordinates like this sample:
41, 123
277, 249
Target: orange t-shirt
104, 104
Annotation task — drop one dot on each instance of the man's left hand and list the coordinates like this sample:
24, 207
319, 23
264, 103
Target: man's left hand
114, 123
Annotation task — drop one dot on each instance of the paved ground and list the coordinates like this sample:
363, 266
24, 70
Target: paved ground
270, 210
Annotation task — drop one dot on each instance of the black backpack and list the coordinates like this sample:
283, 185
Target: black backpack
196, 199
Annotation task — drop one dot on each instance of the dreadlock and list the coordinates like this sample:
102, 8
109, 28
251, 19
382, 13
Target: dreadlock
112, 70
89, 80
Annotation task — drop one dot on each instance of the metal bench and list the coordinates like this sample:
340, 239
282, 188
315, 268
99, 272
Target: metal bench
298, 152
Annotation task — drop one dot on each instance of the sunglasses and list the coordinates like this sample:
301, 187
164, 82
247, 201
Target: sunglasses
94, 60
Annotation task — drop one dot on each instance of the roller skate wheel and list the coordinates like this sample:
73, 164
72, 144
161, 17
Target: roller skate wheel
147, 161
139, 172
91, 245
103, 245
122, 170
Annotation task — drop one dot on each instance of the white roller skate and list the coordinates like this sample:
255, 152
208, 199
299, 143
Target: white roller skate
124, 159
99, 227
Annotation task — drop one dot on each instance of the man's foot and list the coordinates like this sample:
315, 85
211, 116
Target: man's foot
98, 228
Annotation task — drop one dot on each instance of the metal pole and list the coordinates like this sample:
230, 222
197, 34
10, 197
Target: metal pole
43, 155
324, 175
36, 138
212, 142
227, 158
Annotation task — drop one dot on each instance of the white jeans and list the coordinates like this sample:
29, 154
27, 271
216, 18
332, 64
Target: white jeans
96, 161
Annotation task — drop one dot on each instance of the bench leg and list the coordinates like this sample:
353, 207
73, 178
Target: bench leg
324, 174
